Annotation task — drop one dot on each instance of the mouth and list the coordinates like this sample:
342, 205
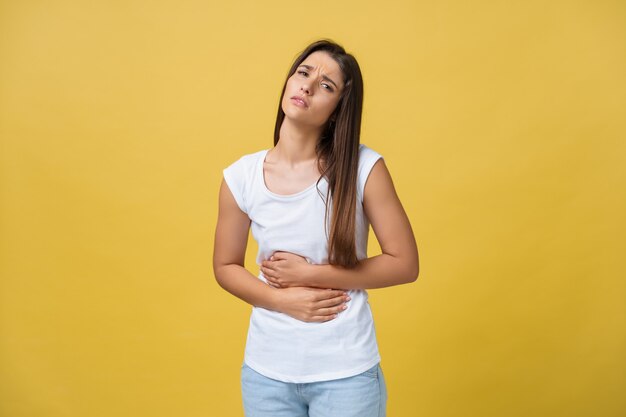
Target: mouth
299, 101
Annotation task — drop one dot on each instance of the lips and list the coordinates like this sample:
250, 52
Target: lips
300, 100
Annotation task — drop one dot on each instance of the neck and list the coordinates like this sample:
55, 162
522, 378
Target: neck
296, 143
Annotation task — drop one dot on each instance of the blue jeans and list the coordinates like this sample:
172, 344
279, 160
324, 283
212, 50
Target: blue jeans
362, 395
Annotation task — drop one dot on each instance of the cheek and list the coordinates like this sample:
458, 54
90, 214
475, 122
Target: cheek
290, 84
284, 105
332, 105
290, 90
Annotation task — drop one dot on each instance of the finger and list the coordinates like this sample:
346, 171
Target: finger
323, 318
331, 310
268, 264
332, 302
268, 272
325, 295
278, 255
272, 280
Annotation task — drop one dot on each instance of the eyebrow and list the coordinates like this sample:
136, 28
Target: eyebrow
309, 67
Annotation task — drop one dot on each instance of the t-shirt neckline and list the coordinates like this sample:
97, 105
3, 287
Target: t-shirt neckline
261, 177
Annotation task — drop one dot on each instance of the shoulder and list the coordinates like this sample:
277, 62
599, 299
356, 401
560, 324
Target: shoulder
239, 176
243, 166
365, 149
367, 159
248, 160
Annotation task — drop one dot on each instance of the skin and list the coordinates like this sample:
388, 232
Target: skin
291, 166
308, 292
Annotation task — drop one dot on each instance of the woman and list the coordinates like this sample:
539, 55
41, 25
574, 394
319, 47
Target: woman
311, 348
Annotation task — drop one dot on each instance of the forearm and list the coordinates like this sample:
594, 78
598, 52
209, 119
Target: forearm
244, 285
376, 272
302, 303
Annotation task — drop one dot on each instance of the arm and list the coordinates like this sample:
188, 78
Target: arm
398, 263
231, 239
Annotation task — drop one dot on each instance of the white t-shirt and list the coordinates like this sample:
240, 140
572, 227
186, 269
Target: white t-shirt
279, 346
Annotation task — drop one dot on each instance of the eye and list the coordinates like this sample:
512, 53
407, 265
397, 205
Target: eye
303, 72
328, 87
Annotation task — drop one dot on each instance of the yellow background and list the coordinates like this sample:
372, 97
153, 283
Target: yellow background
502, 124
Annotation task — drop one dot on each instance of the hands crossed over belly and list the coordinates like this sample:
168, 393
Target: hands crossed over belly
286, 269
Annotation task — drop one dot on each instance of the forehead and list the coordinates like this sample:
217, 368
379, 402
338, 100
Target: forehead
323, 62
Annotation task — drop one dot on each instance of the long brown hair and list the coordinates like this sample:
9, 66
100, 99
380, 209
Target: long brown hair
337, 151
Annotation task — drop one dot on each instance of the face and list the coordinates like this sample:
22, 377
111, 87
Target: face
316, 85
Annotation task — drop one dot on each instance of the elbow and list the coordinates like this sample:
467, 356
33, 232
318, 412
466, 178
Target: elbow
218, 273
413, 269
223, 272
407, 272
407, 269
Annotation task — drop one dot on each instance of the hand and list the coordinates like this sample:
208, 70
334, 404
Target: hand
286, 269
312, 304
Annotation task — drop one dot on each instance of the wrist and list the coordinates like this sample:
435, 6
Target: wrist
273, 298
312, 274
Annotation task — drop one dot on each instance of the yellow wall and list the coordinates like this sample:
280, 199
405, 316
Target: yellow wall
502, 124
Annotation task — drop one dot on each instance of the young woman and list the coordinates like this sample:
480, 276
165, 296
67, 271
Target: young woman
311, 348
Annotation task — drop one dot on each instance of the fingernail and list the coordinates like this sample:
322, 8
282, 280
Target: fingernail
348, 298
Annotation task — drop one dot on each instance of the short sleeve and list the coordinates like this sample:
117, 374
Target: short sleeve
367, 159
235, 176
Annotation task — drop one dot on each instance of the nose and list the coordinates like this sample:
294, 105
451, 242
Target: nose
305, 89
